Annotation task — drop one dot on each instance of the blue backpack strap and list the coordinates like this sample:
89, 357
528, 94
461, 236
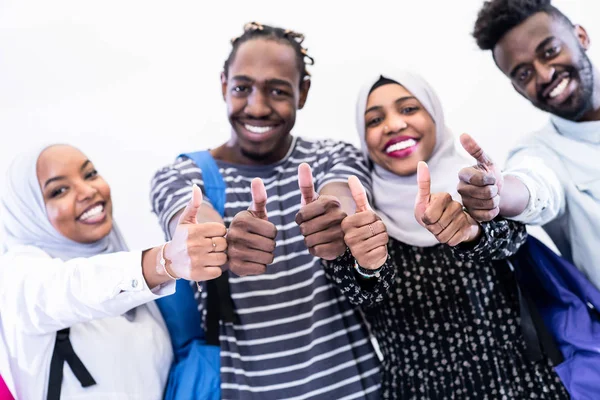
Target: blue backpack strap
196, 370
219, 304
214, 186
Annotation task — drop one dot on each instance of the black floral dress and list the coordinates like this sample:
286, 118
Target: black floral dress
447, 320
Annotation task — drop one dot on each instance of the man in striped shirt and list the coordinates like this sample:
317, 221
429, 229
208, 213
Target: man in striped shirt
294, 335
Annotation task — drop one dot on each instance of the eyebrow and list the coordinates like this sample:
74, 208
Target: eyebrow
538, 49
58, 178
400, 100
245, 78
279, 82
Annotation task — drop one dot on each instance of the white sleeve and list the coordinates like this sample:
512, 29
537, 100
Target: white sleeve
531, 165
45, 295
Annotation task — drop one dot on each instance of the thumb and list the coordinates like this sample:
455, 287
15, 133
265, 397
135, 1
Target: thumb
189, 215
259, 199
471, 146
305, 182
358, 194
423, 187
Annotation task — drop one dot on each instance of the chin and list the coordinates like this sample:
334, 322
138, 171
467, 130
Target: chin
403, 167
257, 154
97, 233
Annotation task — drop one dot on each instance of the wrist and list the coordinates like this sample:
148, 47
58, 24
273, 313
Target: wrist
367, 273
163, 266
150, 268
476, 232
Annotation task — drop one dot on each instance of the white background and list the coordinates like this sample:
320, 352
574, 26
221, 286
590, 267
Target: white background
134, 83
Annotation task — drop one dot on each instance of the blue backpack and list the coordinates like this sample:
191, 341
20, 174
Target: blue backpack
563, 310
195, 373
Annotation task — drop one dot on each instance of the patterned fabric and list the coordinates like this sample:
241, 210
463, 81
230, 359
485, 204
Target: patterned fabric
447, 323
295, 336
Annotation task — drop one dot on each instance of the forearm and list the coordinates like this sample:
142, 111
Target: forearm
46, 295
342, 192
500, 239
514, 197
363, 292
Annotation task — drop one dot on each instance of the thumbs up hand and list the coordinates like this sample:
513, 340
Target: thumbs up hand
251, 237
364, 232
480, 186
197, 251
440, 214
320, 219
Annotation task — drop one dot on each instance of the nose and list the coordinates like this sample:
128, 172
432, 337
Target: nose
395, 123
85, 191
257, 105
544, 73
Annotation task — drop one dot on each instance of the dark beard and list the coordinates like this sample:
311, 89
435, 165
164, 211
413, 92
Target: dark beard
252, 156
580, 102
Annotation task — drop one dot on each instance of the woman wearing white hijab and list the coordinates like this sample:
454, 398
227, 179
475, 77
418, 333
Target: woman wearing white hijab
444, 308
77, 313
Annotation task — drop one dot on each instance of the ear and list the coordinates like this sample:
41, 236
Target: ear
304, 87
224, 85
582, 37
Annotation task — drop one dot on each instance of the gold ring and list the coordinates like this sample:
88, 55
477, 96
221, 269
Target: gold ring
214, 245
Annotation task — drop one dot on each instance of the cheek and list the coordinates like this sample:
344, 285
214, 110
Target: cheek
60, 213
530, 91
286, 110
104, 190
428, 144
234, 104
372, 139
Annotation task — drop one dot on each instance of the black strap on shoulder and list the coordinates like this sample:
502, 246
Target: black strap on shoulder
538, 339
219, 307
63, 351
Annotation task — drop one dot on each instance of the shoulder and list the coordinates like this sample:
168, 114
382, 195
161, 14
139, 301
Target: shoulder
21, 257
533, 142
324, 145
24, 251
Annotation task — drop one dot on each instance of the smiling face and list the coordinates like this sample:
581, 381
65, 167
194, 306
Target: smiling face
262, 90
77, 199
545, 59
399, 130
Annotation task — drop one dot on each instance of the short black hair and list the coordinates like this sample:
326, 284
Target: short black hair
255, 30
497, 17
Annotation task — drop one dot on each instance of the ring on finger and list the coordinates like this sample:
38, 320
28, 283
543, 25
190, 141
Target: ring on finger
372, 230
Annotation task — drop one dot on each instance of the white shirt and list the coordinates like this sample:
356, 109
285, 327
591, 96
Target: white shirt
40, 296
560, 165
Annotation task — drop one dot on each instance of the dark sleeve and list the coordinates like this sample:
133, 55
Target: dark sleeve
337, 161
360, 291
501, 238
171, 190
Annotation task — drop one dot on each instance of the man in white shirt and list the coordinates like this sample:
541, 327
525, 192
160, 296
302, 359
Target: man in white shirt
552, 178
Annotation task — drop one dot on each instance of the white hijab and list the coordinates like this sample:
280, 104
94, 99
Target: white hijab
25, 222
394, 195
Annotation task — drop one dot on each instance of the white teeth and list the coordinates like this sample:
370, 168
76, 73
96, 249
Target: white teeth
557, 91
405, 144
94, 212
258, 129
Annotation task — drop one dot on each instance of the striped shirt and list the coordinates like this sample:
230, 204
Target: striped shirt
295, 336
